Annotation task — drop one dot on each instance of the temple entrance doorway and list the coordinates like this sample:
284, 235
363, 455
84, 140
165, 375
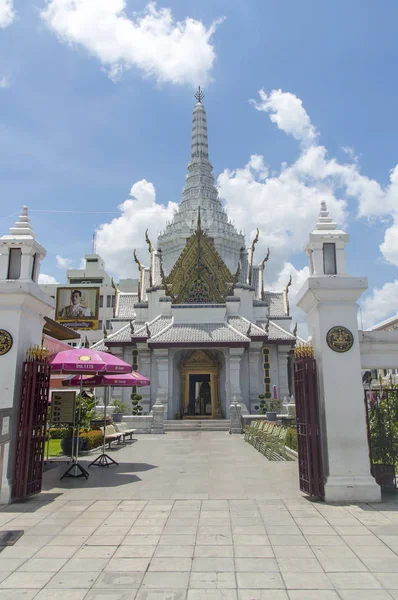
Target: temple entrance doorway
200, 386
199, 404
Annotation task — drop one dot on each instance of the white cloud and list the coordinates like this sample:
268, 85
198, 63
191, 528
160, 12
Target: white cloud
288, 113
7, 14
380, 305
63, 263
46, 279
117, 239
4, 82
171, 51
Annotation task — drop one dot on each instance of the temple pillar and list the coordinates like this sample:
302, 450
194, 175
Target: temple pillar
255, 376
162, 394
144, 368
235, 392
283, 355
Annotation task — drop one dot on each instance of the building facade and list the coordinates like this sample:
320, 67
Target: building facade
201, 325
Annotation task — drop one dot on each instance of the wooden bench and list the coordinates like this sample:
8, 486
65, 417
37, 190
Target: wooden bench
111, 435
122, 428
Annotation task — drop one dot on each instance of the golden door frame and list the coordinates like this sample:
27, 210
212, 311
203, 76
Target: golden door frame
200, 362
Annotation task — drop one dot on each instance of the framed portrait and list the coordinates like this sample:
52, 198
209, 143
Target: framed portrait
77, 307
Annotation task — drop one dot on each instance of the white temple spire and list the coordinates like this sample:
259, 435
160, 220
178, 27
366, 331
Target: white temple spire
200, 191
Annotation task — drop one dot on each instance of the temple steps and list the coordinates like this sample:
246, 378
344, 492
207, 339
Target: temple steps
197, 425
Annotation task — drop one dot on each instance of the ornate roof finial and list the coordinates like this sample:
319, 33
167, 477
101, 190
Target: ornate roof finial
199, 95
289, 283
132, 327
141, 271
150, 247
251, 255
105, 333
325, 221
148, 331
295, 330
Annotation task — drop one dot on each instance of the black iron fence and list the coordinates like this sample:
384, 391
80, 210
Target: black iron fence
381, 405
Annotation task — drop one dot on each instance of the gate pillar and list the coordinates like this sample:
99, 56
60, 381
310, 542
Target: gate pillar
328, 298
23, 306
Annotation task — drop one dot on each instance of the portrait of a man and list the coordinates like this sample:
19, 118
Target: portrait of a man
76, 309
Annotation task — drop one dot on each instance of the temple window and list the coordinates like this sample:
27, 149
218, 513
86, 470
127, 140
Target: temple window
14, 263
329, 259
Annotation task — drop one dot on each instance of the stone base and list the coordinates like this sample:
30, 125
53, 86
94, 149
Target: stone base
352, 490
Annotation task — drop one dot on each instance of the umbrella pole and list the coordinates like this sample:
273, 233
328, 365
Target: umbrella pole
104, 460
76, 470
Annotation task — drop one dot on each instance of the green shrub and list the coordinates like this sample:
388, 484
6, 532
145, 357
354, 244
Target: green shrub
120, 407
92, 439
58, 433
291, 439
136, 406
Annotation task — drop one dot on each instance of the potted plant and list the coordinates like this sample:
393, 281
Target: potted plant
274, 407
120, 409
136, 406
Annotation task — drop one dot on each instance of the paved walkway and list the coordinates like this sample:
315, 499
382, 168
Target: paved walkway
191, 517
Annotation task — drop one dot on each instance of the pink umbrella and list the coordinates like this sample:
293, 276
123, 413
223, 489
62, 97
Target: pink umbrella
78, 360
127, 380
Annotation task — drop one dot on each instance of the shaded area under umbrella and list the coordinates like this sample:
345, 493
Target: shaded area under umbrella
85, 360
107, 381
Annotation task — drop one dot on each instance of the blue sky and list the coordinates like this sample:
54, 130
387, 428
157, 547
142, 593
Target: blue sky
75, 139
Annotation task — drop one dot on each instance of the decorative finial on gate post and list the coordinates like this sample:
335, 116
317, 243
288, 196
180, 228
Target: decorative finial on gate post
199, 95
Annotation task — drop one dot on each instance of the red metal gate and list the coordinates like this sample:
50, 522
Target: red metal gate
31, 427
307, 419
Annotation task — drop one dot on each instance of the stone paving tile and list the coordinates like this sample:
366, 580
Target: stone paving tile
134, 551
26, 580
365, 595
313, 595
263, 595
212, 594
307, 581
166, 580
356, 581
18, 594
212, 580
51, 565
95, 594
115, 581
256, 565
259, 581
69, 594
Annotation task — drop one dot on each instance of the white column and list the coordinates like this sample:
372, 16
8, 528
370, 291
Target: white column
283, 388
162, 359
330, 302
255, 375
144, 368
235, 356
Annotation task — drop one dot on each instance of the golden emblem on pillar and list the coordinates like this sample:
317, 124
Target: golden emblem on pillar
5, 341
340, 339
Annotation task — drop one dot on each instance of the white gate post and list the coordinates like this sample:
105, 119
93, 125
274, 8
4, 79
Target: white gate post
328, 298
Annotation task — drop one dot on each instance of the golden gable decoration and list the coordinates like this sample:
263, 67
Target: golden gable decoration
199, 276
